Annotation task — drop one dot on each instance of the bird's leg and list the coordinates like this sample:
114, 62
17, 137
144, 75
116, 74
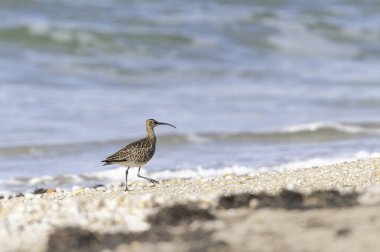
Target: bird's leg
126, 179
149, 179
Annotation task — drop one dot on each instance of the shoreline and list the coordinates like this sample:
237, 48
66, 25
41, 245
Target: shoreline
109, 210
112, 176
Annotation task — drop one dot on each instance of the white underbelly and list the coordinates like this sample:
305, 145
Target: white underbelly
130, 164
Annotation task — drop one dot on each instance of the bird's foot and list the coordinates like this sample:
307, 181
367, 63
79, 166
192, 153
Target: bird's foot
153, 181
126, 189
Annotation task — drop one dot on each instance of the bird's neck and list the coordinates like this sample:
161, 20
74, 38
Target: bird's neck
150, 134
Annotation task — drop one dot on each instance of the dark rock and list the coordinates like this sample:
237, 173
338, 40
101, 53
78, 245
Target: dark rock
78, 240
236, 201
98, 185
17, 195
290, 200
178, 213
331, 199
342, 232
73, 239
44, 190
40, 191
285, 199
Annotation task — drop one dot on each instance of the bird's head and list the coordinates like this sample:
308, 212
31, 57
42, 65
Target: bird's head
151, 123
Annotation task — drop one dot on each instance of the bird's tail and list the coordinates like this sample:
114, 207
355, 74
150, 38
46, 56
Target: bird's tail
106, 162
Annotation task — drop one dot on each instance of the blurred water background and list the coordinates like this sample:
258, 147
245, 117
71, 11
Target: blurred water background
251, 85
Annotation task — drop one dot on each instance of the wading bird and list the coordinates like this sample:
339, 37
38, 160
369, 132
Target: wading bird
138, 153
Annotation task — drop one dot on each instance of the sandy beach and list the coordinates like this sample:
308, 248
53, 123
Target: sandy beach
329, 208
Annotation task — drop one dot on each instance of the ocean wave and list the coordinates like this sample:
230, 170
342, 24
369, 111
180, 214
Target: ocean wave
318, 131
312, 132
107, 37
351, 128
308, 42
42, 33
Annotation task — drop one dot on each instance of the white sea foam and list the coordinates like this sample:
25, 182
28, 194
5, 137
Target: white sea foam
320, 125
353, 129
194, 138
201, 172
317, 161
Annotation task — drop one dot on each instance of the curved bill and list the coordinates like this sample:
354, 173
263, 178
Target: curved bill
162, 123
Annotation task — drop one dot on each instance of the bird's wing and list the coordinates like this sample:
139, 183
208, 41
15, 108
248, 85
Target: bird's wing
129, 152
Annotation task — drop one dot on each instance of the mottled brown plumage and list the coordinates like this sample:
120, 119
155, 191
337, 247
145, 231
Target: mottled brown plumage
137, 153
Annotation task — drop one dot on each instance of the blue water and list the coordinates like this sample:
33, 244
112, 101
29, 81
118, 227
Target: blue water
248, 83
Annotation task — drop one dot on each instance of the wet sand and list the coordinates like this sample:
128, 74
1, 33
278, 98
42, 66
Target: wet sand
329, 208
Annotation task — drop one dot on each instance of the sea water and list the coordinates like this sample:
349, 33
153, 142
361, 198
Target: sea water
251, 85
